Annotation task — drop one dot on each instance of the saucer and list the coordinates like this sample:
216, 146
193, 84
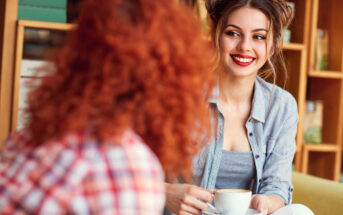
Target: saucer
253, 212
249, 212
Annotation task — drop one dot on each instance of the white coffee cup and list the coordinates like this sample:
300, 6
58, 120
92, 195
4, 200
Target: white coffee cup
232, 201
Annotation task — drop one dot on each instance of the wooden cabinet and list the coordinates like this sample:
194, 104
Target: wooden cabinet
324, 160
296, 55
11, 53
20, 76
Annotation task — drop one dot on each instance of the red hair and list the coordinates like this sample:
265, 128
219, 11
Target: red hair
130, 64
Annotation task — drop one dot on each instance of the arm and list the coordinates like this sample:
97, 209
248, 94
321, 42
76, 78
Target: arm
187, 199
275, 189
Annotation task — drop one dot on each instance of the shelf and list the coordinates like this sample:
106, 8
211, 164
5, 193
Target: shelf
293, 46
326, 74
324, 147
46, 25
21, 25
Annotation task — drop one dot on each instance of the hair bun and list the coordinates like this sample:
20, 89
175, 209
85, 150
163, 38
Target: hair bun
286, 12
215, 8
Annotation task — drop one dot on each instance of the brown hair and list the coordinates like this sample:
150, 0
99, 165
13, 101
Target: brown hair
130, 64
278, 12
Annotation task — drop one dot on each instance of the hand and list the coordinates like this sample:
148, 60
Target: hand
261, 203
186, 199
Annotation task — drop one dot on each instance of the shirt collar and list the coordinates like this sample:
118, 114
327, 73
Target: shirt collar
259, 103
258, 111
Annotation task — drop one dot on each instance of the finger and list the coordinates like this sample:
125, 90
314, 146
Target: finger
260, 208
195, 203
184, 213
189, 209
201, 193
253, 202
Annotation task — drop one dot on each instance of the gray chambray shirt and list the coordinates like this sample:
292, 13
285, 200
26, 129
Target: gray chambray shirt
271, 129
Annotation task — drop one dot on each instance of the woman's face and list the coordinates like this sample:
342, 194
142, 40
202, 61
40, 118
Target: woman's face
244, 42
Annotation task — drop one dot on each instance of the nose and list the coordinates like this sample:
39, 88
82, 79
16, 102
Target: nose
244, 44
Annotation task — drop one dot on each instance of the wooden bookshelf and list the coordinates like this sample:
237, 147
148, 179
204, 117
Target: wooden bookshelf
318, 160
324, 160
21, 25
296, 57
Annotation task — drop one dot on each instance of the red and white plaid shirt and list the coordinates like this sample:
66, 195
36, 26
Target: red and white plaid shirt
77, 175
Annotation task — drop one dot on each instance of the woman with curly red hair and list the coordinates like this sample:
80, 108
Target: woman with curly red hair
129, 89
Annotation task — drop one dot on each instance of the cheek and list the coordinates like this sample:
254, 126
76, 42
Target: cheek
261, 51
226, 46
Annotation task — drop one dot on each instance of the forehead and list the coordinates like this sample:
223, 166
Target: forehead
248, 18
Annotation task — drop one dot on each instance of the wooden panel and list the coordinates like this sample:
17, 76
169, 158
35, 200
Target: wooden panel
22, 25
322, 164
323, 160
2, 13
293, 61
326, 74
298, 23
330, 18
17, 67
324, 147
46, 25
337, 167
293, 46
8, 20
327, 90
313, 34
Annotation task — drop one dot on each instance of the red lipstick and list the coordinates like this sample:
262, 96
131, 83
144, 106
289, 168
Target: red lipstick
242, 60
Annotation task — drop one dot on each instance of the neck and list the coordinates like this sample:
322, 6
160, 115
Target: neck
236, 90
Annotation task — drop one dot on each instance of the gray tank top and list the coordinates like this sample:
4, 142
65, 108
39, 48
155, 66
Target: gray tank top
236, 170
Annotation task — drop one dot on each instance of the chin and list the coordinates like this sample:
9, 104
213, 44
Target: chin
244, 73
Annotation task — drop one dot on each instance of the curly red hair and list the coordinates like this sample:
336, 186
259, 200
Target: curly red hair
130, 64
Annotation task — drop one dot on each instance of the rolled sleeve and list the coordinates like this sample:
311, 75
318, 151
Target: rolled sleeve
277, 169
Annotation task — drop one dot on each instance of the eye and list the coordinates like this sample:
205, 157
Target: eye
259, 37
232, 33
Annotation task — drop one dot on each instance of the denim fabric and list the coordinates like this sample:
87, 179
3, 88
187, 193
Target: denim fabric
271, 129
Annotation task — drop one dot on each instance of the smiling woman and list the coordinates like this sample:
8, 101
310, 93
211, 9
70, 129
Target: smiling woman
256, 120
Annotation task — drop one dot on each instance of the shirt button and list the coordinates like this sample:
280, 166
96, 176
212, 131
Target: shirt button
250, 134
257, 156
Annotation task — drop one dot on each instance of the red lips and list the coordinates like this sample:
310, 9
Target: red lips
242, 60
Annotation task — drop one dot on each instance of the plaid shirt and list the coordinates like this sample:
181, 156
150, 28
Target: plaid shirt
77, 175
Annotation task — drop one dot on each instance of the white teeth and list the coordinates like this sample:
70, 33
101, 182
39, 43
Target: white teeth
243, 60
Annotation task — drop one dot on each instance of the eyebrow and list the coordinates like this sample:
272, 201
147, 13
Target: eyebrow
255, 30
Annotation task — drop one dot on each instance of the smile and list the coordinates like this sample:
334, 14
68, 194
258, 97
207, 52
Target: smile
242, 60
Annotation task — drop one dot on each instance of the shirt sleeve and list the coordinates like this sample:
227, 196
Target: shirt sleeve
124, 179
277, 170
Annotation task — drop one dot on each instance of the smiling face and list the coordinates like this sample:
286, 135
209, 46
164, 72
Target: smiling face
244, 42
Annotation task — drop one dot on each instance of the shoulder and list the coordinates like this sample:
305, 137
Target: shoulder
131, 167
277, 98
129, 147
127, 155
